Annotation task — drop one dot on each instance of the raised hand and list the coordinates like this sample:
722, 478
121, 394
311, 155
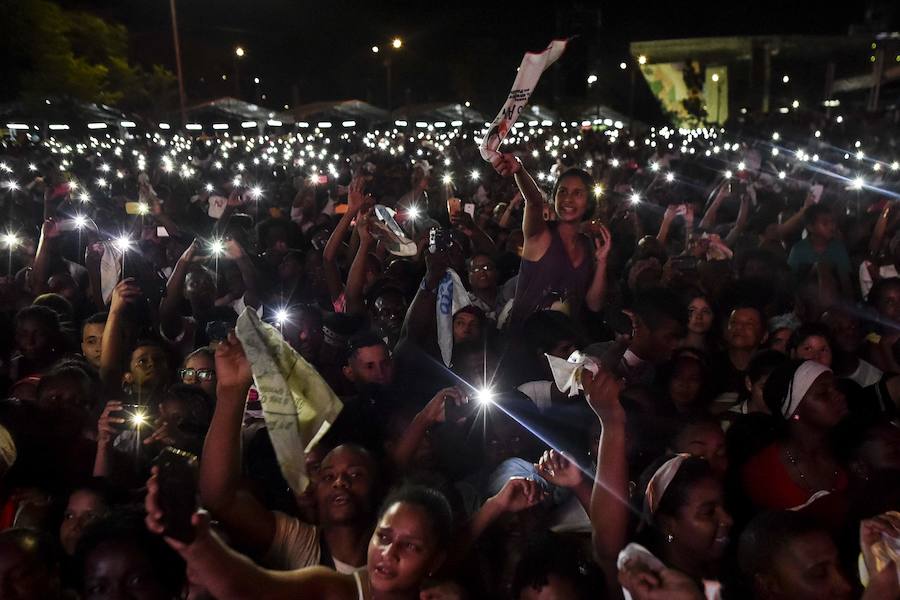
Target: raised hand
506, 165
602, 391
436, 409
559, 470
355, 195
125, 292
518, 494
602, 243
232, 367
106, 430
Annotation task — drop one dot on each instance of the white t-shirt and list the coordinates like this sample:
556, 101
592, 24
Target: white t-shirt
295, 545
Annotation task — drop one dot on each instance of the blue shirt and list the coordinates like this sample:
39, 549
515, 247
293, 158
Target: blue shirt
803, 255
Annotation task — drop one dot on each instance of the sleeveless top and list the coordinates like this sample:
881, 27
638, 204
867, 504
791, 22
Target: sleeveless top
551, 279
360, 586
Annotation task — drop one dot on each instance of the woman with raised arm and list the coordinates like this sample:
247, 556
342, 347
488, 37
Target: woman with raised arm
411, 537
557, 260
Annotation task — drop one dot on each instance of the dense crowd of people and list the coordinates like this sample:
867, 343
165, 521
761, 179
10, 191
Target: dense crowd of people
660, 366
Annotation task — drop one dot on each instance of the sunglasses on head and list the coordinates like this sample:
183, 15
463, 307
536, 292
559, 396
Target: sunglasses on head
198, 374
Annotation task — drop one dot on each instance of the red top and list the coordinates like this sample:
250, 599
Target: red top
768, 484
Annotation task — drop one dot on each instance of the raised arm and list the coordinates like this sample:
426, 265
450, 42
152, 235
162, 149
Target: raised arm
228, 575
513, 205
709, 218
537, 235
329, 255
609, 498
248, 521
249, 275
741, 222
113, 346
169, 319
356, 278
420, 326
40, 273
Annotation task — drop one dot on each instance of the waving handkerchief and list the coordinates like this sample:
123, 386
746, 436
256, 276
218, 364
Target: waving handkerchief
567, 373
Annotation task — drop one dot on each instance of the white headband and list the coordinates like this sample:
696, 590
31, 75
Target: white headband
800, 383
664, 475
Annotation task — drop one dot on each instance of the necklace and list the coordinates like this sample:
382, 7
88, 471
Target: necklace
796, 464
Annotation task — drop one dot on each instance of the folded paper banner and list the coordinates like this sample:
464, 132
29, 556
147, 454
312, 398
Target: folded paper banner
529, 73
567, 373
298, 406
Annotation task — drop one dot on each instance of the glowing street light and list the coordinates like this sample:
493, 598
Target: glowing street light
715, 77
375, 49
785, 79
396, 43
623, 66
642, 59
592, 79
239, 52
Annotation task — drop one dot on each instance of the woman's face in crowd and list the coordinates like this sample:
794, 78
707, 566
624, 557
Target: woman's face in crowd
201, 362
823, 405
808, 568
83, 508
700, 316
119, 570
707, 441
702, 525
402, 551
815, 348
685, 384
571, 199
92, 342
33, 339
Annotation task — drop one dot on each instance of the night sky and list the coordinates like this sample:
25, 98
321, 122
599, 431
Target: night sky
457, 51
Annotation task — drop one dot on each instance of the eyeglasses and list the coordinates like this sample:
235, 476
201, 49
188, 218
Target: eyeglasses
198, 374
485, 268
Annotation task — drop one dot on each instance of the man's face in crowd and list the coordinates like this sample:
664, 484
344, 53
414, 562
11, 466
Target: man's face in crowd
149, 366
466, 327
83, 508
889, 303
116, 570
370, 365
656, 345
845, 331
745, 329
808, 568
200, 289
308, 338
23, 576
344, 487
33, 339
482, 273
91, 342
388, 312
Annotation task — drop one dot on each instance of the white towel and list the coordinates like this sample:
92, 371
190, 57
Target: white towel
567, 373
451, 296
528, 74
110, 270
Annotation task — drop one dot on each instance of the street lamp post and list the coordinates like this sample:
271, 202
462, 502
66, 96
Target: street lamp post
181, 99
239, 53
396, 44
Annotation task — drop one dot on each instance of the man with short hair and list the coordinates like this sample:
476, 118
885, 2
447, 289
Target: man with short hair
92, 338
745, 332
